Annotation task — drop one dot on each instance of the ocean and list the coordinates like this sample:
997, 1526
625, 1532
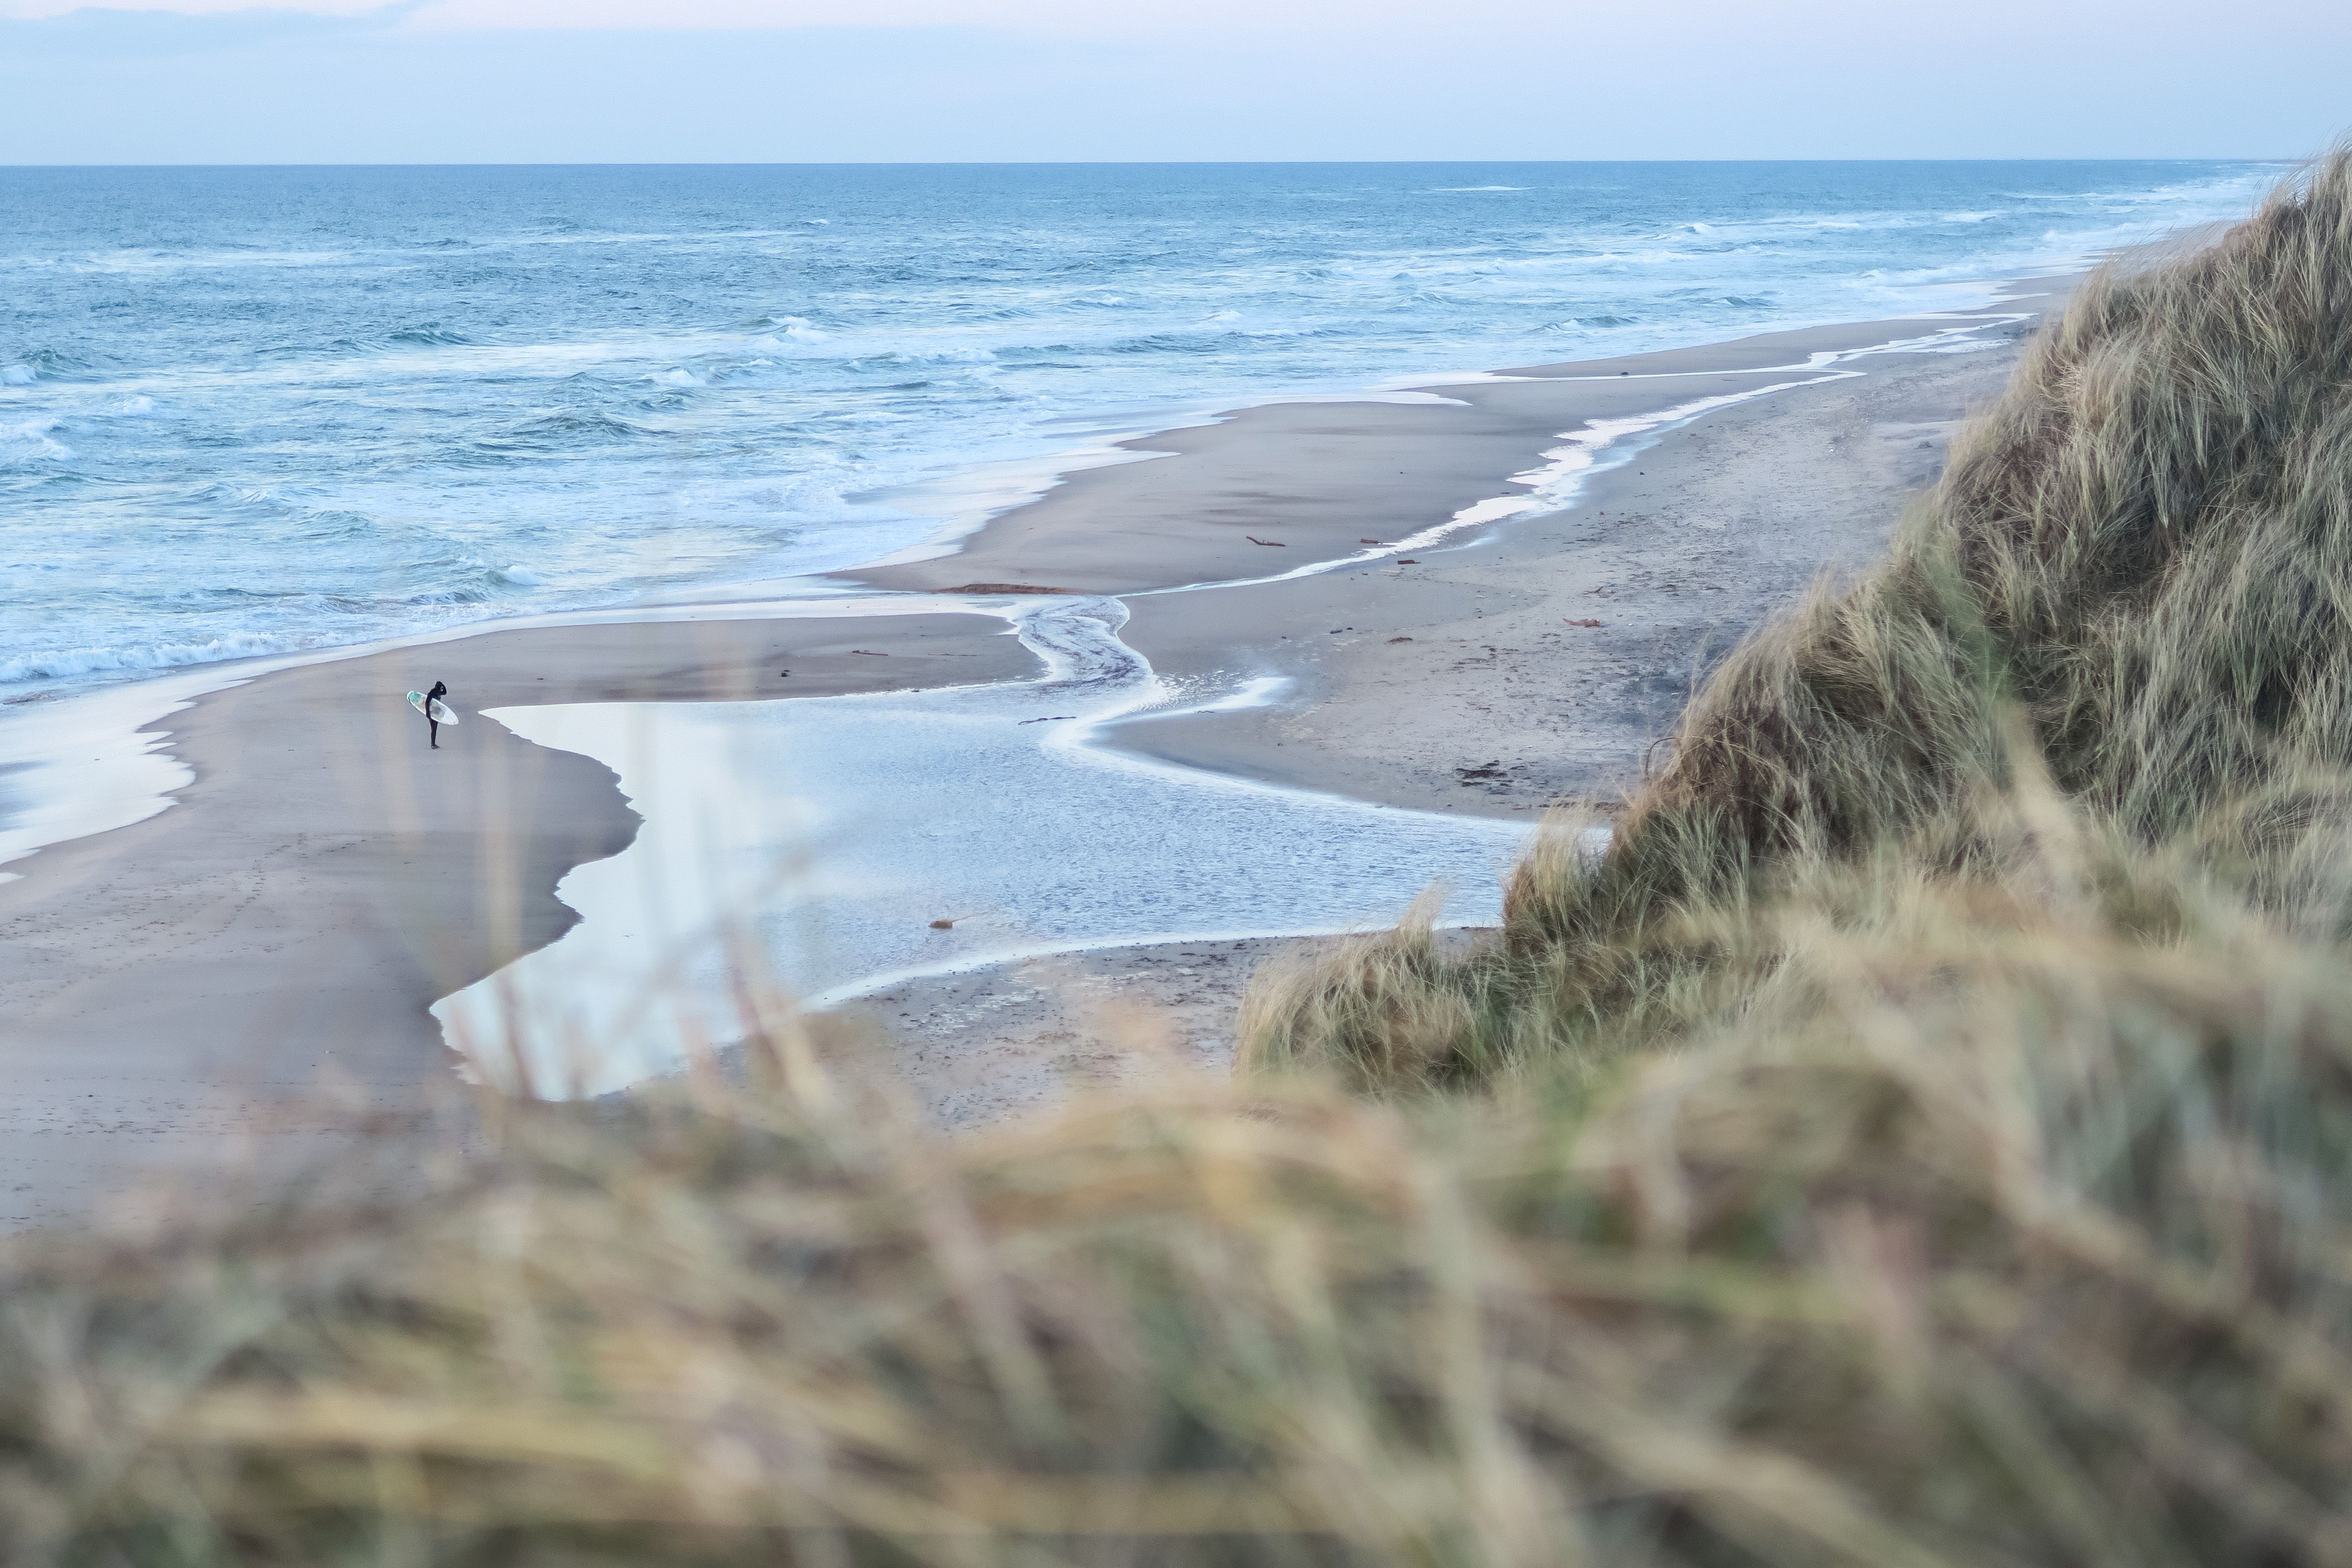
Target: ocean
258, 410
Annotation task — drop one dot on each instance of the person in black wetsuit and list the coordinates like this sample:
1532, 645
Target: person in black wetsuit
440, 689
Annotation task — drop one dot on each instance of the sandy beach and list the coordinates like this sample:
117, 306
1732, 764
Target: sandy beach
1510, 701
284, 925
281, 929
1540, 659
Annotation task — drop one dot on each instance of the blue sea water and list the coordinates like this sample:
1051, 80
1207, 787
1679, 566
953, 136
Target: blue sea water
248, 411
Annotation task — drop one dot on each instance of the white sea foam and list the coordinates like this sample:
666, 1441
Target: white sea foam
63, 661
85, 765
34, 435
1600, 445
1605, 443
500, 410
59, 795
800, 329
144, 261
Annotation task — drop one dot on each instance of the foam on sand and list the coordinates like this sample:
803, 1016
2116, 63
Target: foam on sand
87, 765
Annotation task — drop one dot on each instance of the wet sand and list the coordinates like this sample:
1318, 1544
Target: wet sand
1516, 665
1539, 661
1272, 487
989, 1044
166, 986
214, 972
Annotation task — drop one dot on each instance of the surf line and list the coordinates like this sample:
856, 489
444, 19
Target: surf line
1599, 446
92, 761
60, 792
64, 793
1602, 445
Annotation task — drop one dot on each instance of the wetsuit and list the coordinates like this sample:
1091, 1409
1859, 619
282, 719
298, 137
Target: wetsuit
440, 689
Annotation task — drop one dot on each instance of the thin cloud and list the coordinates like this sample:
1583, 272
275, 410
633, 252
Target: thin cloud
96, 32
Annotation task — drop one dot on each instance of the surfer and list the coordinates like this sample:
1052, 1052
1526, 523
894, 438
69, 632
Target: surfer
431, 700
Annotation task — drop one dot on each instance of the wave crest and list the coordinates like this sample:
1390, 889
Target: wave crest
63, 662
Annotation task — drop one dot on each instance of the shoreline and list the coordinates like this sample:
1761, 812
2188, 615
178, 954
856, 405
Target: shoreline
820, 847
1542, 660
137, 709
152, 964
1182, 511
325, 877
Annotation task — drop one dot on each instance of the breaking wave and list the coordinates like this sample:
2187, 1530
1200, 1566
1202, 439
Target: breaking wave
321, 408
64, 662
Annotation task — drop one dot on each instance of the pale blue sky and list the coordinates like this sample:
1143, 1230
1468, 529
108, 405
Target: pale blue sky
825, 81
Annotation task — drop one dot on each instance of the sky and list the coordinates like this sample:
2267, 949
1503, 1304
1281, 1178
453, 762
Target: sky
430, 81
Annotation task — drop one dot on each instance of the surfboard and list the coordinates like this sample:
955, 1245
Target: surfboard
439, 711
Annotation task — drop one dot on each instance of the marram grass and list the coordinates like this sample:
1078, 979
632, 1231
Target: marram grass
2136, 571
2005, 1222
1924, 1138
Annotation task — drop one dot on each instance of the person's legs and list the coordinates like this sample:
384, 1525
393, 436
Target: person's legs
435, 724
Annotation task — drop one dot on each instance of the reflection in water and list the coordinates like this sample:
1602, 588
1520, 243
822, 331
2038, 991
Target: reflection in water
820, 837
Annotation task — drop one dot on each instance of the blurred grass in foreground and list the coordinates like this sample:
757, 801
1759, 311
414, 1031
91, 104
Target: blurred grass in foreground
1921, 1139
2005, 1222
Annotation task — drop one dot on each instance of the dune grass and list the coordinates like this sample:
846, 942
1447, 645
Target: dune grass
1923, 1138
2006, 1222
2136, 571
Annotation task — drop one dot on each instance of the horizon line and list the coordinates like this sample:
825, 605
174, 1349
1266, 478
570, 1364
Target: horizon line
1139, 163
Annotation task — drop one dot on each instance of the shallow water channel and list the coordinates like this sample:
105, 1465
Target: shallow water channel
813, 841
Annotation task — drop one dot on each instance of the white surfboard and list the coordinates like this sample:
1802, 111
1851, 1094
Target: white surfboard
439, 711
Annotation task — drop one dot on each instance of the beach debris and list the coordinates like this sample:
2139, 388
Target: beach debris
1407, 560
1049, 719
1399, 638
1005, 588
1588, 620
783, 672
1277, 544
950, 923
869, 653
1481, 773
1371, 541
